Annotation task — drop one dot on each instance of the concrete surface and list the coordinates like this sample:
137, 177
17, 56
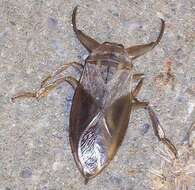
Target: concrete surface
36, 37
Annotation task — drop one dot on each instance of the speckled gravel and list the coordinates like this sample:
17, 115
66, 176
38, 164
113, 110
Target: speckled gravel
36, 37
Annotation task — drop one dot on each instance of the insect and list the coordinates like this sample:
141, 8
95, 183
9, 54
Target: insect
103, 100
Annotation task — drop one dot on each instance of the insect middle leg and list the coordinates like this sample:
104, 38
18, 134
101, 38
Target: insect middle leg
60, 70
138, 86
157, 127
44, 90
47, 87
158, 130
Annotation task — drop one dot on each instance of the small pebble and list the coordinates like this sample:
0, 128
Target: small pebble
52, 23
115, 180
144, 128
26, 173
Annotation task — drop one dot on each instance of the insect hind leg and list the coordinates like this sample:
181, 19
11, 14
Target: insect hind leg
158, 130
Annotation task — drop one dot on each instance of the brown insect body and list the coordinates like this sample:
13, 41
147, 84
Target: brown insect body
103, 101
100, 112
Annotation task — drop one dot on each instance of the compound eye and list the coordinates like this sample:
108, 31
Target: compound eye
107, 43
114, 44
121, 45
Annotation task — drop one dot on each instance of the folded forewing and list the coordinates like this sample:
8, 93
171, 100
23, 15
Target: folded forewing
99, 118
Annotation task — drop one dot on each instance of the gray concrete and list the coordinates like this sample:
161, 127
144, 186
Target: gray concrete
36, 37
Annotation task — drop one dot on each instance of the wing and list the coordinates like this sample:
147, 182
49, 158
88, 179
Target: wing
99, 118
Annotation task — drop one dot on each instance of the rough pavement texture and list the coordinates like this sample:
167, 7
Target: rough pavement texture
36, 37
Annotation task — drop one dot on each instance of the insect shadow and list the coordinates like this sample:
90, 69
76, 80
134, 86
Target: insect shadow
103, 100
